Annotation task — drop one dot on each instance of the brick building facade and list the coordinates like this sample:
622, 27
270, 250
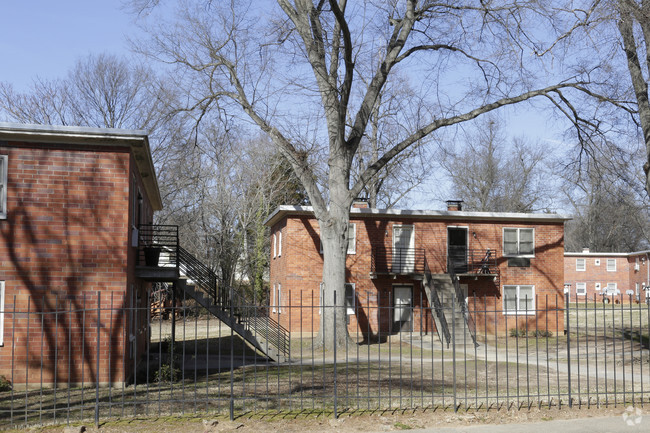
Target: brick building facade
72, 199
608, 277
380, 285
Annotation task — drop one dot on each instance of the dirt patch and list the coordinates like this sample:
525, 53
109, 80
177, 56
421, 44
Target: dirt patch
357, 421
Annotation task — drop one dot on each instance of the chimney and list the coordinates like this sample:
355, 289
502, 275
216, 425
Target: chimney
454, 205
585, 250
360, 203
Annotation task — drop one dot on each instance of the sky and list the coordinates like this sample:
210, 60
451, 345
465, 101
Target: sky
44, 38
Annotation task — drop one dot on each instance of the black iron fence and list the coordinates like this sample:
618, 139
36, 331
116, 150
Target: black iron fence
587, 354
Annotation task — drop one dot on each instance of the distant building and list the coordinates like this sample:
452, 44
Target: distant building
608, 277
506, 267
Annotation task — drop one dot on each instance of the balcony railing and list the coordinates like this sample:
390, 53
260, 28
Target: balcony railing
157, 245
397, 260
477, 261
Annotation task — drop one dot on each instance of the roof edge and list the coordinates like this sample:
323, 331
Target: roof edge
285, 210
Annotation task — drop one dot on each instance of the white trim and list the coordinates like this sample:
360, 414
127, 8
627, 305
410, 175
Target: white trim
279, 298
518, 229
582, 268
351, 309
581, 289
4, 168
2, 312
280, 243
597, 287
518, 311
352, 241
612, 261
274, 298
275, 246
596, 262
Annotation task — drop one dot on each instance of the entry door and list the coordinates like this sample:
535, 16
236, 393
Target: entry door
402, 308
457, 248
403, 249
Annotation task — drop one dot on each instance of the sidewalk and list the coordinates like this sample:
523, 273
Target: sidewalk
579, 425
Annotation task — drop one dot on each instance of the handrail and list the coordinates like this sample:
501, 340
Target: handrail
464, 308
397, 260
437, 306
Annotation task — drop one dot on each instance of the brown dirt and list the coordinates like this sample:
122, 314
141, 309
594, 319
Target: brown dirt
374, 421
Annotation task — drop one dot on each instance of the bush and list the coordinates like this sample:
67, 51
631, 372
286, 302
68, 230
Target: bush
167, 374
5, 385
542, 333
514, 332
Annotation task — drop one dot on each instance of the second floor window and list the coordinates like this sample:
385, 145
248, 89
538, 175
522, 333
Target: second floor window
3, 186
611, 265
519, 242
581, 265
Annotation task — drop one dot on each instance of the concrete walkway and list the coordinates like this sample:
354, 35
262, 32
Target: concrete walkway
632, 423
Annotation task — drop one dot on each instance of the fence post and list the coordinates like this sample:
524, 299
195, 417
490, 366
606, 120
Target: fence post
232, 360
98, 354
453, 346
336, 415
568, 349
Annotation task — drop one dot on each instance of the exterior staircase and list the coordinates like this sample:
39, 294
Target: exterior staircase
200, 283
451, 309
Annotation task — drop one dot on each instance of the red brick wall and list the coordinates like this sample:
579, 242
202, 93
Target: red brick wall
299, 271
65, 238
625, 276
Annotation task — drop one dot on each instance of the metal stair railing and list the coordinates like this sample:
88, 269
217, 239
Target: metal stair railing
257, 320
437, 305
230, 301
460, 298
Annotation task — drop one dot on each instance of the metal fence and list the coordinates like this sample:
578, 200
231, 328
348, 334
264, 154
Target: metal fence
588, 354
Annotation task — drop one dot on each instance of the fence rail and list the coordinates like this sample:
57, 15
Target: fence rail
583, 355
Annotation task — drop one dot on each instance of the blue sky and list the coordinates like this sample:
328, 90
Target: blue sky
44, 38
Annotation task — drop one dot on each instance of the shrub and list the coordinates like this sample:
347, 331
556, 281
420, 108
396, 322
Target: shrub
5, 385
515, 332
542, 333
167, 374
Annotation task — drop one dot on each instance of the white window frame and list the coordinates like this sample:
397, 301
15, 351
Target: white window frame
613, 268
274, 299
518, 229
518, 311
280, 243
2, 312
581, 289
582, 268
279, 298
275, 246
4, 168
613, 287
351, 307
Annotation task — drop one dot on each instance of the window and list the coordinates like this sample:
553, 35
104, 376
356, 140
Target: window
519, 242
279, 244
611, 265
519, 299
581, 265
276, 298
2, 312
350, 299
581, 289
3, 186
275, 246
352, 240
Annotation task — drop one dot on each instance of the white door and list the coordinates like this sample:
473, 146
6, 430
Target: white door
402, 308
403, 249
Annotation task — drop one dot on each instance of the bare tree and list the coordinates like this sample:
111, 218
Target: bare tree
294, 73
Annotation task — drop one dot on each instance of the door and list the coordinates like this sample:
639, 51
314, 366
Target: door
457, 249
403, 249
402, 308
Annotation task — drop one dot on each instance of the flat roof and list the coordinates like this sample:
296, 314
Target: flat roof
287, 210
594, 254
136, 140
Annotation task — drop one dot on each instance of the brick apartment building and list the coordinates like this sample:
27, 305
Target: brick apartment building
71, 200
607, 277
398, 262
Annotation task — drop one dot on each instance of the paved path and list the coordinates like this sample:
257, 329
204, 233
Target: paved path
579, 425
